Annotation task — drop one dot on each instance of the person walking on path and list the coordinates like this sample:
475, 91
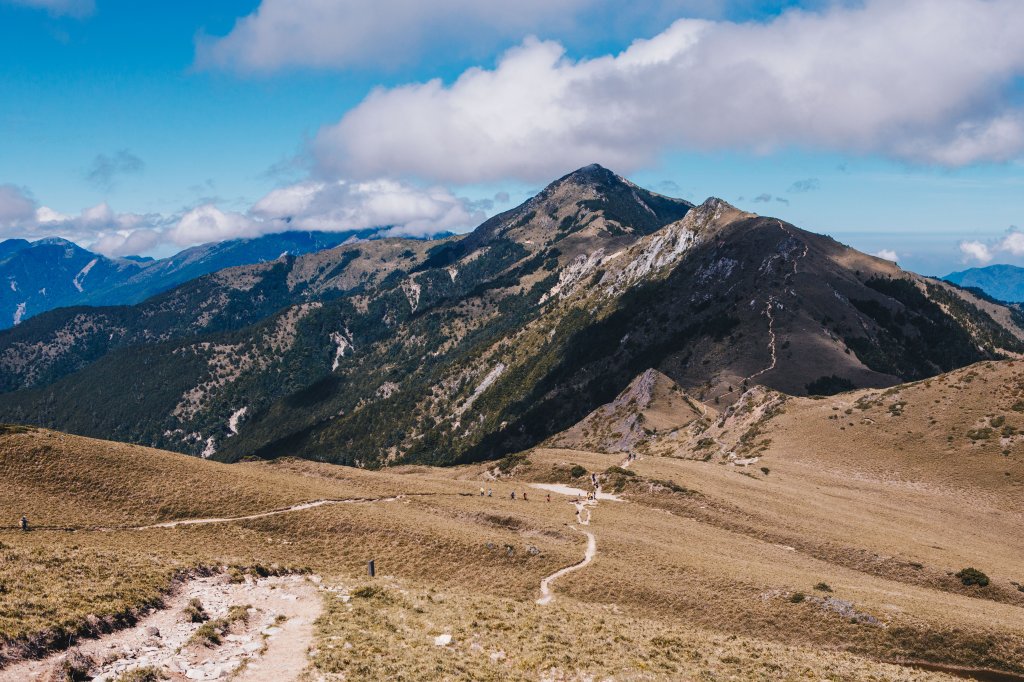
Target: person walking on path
549, 497
24, 522
513, 495
490, 492
524, 497
481, 491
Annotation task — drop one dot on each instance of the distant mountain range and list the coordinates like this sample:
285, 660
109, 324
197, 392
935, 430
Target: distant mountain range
476, 346
1002, 282
52, 273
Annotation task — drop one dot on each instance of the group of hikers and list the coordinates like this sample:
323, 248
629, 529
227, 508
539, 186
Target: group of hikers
489, 492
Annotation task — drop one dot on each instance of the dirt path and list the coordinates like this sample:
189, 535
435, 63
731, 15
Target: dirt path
287, 651
769, 312
582, 506
271, 645
263, 515
545, 585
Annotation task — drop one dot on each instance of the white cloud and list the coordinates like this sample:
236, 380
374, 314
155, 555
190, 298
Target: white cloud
340, 205
127, 242
910, 80
207, 223
978, 251
887, 254
74, 8
359, 33
335, 206
985, 252
1013, 243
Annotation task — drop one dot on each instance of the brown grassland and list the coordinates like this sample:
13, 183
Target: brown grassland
832, 553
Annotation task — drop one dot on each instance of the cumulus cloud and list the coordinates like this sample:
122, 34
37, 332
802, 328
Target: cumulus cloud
74, 8
978, 251
907, 80
887, 254
104, 169
341, 205
1012, 244
127, 242
359, 33
335, 206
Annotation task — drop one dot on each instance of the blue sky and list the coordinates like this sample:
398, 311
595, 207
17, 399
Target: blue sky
145, 127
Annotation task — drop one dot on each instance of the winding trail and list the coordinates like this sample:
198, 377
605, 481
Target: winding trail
226, 519
262, 515
771, 340
768, 311
545, 585
582, 506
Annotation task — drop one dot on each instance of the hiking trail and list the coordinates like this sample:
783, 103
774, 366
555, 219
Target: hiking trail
272, 645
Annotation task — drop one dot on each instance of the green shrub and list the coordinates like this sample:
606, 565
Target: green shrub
577, 471
823, 587
972, 576
980, 434
619, 471
797, 597
829, 385
511, 461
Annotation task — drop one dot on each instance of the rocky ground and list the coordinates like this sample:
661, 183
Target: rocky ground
270, 642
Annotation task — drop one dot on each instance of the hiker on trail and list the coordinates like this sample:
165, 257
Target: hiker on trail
549, 497
524, 497
481, 491
24, 522
513, 495
490, 492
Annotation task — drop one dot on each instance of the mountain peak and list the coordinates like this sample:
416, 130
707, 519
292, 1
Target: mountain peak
593, 176
55, 241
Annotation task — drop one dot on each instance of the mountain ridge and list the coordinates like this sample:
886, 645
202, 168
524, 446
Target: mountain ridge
476, 346
1001, 281
54, 272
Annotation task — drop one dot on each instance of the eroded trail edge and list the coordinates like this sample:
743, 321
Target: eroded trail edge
271, 641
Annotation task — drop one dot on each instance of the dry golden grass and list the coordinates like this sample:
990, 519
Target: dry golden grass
694, 579
389, 630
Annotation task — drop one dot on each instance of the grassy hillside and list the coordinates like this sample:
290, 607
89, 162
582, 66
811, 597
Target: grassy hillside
779, 538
